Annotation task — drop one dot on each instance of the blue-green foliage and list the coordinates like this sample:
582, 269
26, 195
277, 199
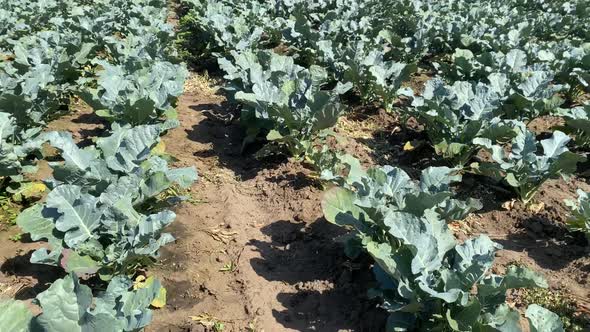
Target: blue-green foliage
526, 167
115, 55
108, 203
94, 219
514, 60
577, 124
281, 99
579, 219
427, 280
70, 306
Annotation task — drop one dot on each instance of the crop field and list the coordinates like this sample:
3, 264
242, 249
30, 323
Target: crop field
300, 165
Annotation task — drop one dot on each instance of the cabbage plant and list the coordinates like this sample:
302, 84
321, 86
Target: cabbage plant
137, 92
281, 100
455, 115
16, 146
96, 217
373, 77
527, 88
426, 279
579, 219
68, 305
528, 163
381, 189
577, 124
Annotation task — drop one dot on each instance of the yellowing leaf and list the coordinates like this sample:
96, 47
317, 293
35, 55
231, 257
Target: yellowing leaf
408, 146
142, 282
28, 190
34, 189
104, 114
274, 135
160, 301
536, 207
159, 149
209, 321
139, 283
509, 205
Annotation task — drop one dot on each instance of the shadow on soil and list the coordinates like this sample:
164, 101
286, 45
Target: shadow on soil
84, 124
491, 194
549, 244
388, 149
329, 290
221, 129
38, 277
295, 181
386, 138
90, 118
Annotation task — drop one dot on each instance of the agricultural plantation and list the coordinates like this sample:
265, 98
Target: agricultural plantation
328, 165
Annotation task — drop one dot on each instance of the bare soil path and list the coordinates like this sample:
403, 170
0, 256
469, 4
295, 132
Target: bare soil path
253, 252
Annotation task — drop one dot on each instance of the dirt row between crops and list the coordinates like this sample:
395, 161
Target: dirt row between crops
253, 252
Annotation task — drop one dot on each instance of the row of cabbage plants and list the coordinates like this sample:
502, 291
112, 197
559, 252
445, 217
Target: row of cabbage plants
288, 64
103, 218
